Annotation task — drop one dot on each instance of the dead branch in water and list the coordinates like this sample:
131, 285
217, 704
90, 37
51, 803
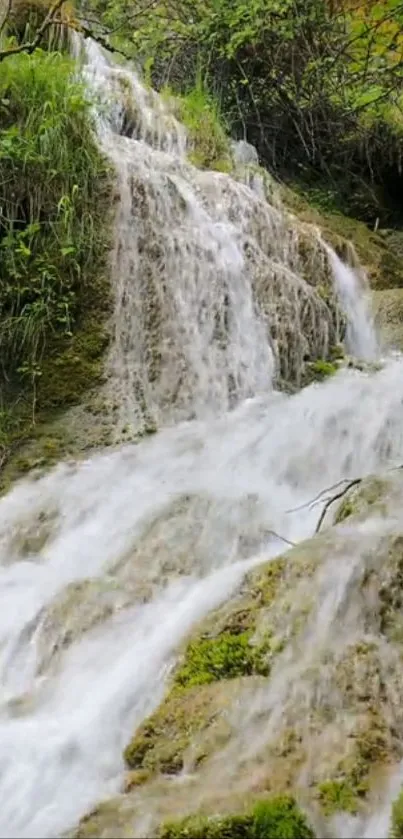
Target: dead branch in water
318, 498
333, 498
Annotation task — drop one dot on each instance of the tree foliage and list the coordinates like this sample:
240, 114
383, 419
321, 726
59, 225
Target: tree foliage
316, 86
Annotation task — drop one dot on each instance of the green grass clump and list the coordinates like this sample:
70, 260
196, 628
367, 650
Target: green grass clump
53, 182
54, 236
275, 818
396, 829
337, 795
208, 137
322, 369
224, 657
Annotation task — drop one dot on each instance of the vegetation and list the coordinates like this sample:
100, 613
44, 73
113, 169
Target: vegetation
396, 831
277, 818
54, 191
224, 657
316, 86
322, 369
207, 131
337, 795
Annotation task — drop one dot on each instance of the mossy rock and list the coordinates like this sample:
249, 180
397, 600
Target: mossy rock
349, 789
277, 818
108, 820
369, 494
396, 828
231, 651
377, 256
71, 374
179, 733
338, 725
231, 648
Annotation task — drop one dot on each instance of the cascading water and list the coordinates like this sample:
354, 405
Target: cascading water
106, 564
361, 338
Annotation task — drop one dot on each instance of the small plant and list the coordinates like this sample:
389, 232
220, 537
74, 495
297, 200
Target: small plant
322, 369
337, 795
209, 146
224, 657
273, 818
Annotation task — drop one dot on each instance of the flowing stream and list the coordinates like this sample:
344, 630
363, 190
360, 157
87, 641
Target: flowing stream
106, 564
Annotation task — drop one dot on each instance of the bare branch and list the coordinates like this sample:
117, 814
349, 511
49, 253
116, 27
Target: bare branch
318, 498
331, 500
30, 46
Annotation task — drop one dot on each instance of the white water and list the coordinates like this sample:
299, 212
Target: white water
165, 530
361, 339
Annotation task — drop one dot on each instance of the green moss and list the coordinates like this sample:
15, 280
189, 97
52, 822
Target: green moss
264, 582
161, 742
322, 369
371, 748
361, 498
396, 828
337, 795
277, 818
108, 818
345, 510
235, 645
224, 657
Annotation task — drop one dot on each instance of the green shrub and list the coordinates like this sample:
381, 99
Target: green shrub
54, 236
276, 818
52, 179
224, 657
316, 86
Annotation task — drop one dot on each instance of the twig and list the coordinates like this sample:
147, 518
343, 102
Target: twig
282, 538
318, 497
330, 501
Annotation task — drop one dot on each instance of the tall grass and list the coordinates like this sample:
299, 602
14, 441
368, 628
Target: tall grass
207, 131
53, 183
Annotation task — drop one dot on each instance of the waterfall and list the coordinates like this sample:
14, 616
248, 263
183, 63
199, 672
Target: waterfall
361, 337
106, 564
217, 291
